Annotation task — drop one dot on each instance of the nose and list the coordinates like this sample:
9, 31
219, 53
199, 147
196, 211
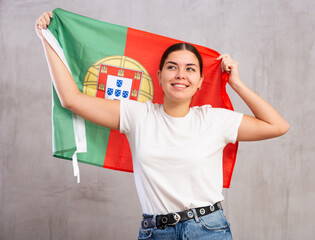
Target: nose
180, 75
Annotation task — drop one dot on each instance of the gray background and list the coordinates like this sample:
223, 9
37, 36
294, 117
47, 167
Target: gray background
272, 192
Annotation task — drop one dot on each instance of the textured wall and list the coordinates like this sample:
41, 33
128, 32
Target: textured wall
272, 191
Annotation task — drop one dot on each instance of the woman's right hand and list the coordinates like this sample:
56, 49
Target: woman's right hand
42, 23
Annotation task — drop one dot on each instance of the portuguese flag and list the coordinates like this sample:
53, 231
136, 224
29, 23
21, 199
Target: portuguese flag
117, 62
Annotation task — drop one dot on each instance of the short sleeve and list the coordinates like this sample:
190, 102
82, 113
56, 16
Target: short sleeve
228, 121
130, 112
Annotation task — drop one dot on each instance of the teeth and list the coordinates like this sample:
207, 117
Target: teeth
179, 85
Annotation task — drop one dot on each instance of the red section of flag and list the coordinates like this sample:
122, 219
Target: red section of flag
147, 49
136, 86
101, 83
118, 154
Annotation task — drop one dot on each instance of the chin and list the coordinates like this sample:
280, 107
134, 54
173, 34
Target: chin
179, 99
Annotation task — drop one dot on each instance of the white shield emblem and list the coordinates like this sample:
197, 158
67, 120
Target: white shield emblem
117, 83
118, 88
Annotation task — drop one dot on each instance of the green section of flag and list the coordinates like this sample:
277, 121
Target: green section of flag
62, 130
96, 145
84, 41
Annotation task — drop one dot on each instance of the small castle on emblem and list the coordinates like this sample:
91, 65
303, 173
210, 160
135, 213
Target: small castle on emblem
103, 69
101, 87
137, 76
134, 93
121, 73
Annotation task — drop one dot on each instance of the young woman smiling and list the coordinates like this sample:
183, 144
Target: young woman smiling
177, 150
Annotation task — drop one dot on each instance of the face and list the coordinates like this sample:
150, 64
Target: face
180, 76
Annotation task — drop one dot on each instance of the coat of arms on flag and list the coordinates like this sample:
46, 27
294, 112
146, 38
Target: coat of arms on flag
118, 78
118, 83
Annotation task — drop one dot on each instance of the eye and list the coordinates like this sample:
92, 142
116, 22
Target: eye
191, 69
171, 67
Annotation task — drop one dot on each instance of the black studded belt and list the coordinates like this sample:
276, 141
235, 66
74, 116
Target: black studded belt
162, 221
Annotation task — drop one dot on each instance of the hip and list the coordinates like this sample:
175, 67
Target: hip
210, 226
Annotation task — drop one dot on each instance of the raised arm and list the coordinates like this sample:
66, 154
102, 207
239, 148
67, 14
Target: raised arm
99, 111
267, 123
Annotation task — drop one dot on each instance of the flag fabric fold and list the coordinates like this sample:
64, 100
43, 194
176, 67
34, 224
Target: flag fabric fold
117, 62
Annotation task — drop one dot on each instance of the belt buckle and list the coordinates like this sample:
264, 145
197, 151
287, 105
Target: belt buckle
177, 218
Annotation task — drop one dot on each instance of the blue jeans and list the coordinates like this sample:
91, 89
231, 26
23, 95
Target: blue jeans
212, 226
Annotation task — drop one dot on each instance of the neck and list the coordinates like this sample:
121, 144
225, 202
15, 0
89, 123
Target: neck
176, 109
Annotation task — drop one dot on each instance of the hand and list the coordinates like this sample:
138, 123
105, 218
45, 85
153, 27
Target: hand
42, 23
231, 67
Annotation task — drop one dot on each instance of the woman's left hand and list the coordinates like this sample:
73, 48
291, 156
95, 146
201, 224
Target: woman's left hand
231, 67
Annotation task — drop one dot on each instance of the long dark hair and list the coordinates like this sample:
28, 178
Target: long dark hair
178, 47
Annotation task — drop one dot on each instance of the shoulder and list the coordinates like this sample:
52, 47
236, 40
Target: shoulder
138, 107
219, 114
225, 112
213, 110
132, 113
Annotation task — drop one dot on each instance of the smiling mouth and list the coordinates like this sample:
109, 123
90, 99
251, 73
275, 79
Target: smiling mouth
182, 86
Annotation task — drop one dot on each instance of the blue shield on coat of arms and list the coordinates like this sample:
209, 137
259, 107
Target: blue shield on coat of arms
119, 83
118, 88
117, 92
110, 91
125, 94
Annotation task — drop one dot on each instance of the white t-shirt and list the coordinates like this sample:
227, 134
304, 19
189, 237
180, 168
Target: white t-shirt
177, 161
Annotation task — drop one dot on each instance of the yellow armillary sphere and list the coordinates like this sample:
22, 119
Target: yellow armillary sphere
92, 76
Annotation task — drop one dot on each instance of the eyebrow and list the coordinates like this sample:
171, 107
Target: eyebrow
188, 64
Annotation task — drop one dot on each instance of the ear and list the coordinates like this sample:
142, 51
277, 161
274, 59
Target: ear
159, 76
200, 81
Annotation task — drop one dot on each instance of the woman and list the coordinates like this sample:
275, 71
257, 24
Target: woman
177, 150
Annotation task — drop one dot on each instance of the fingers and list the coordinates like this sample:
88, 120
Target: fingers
47, 19
44, 20
224, 56
227, 63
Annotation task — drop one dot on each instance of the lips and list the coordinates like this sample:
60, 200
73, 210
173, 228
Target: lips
178, 85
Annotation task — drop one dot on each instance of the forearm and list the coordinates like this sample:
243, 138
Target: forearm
64, 84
